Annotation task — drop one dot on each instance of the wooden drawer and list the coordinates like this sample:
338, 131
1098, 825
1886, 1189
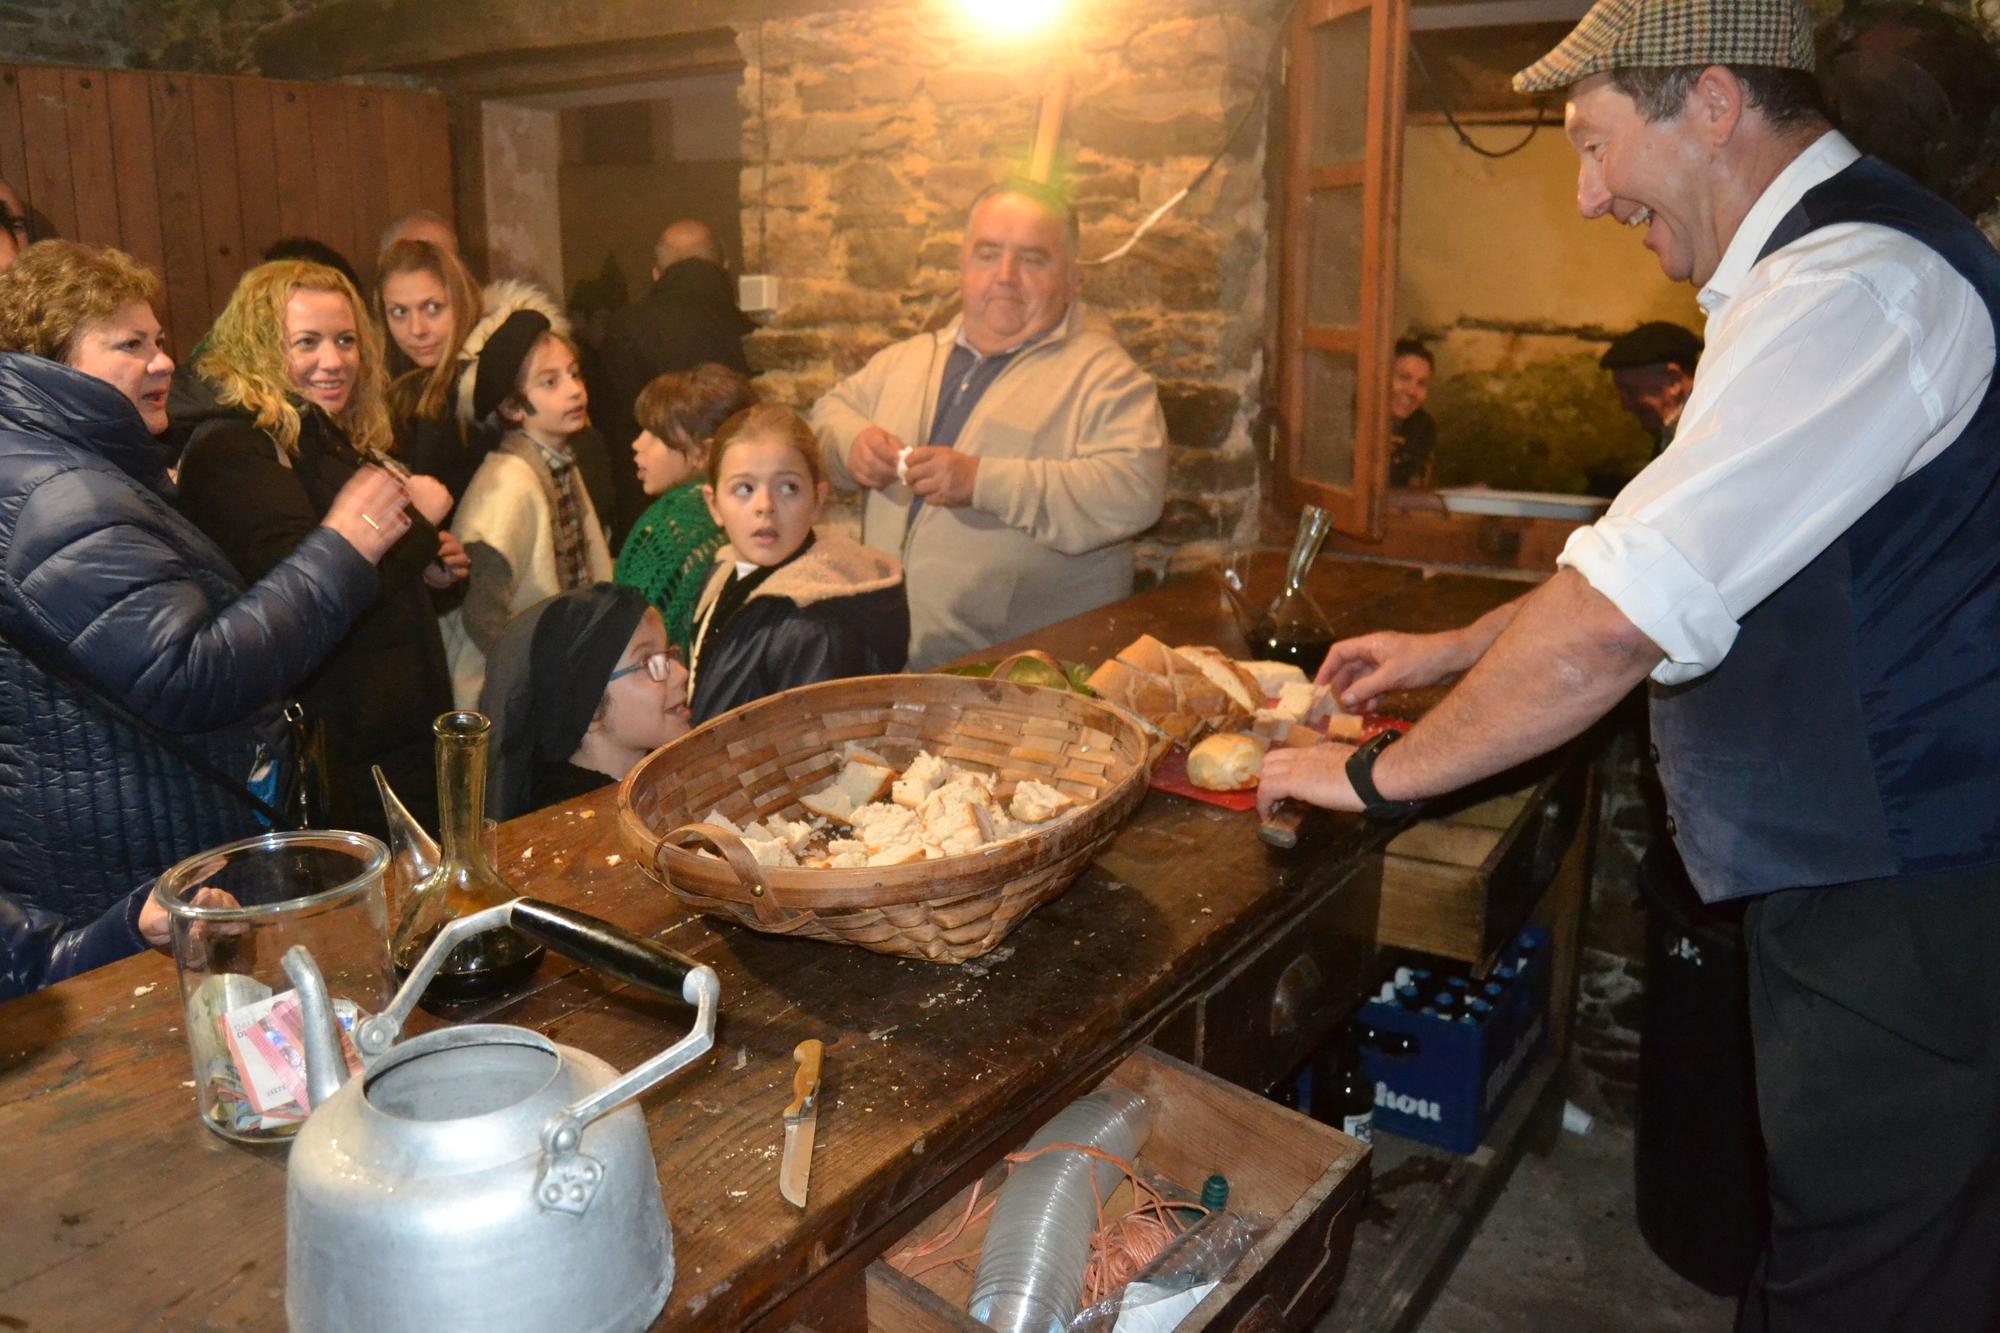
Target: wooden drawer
1257, 1024
1300, 1179
1462, 884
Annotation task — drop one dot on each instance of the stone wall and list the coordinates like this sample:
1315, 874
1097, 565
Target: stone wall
867, 134
191, 36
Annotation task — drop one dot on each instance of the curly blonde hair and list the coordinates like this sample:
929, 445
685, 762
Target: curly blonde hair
56, 290
245, 360
429, 394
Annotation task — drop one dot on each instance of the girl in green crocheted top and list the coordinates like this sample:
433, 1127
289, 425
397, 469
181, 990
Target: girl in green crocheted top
672, 546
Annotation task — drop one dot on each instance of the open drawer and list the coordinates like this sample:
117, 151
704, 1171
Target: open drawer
1461, 884
1299, 1180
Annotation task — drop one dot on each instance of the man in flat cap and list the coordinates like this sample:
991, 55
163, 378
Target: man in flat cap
1652, 368
1810, 576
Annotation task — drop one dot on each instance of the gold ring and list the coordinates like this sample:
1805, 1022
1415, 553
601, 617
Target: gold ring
371, 522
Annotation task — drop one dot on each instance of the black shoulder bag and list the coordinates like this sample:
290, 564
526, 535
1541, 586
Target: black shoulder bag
286, 749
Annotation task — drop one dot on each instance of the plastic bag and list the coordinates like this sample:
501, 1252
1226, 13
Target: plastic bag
1164, 1291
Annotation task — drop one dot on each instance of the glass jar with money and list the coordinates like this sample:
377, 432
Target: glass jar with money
235, 911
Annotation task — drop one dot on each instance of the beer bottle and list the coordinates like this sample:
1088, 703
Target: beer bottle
1342, 1094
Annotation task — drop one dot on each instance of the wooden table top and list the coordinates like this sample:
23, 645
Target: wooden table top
124, 1212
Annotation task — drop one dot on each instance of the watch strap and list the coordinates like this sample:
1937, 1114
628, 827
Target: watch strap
1361, 776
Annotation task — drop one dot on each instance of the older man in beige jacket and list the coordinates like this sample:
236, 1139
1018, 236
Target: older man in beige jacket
1010, 457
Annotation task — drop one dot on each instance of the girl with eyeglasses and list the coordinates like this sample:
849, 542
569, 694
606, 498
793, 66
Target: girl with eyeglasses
580, 688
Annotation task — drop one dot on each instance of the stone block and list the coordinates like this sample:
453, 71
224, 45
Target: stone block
823, 137
1206, 472
954, 184
1199, 416
940, 252
790, 349
956, 87
867, 186
794, 243
1124, 134
1186, 519
783, 186
884, 258
1188, 45
828, 92
1102, 183
810, 303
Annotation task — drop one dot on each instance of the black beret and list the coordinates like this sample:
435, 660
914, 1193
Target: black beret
1654, 344
500, 360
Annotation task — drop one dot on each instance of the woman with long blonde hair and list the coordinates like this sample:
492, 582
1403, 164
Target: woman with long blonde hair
427, 303
286, 404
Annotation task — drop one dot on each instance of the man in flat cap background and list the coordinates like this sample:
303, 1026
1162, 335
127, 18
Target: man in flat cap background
1810, 576
1652, 368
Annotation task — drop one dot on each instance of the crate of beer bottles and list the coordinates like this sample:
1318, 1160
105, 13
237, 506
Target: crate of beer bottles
1445, 1049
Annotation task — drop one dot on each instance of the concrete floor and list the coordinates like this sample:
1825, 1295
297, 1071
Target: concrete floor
1561, 1253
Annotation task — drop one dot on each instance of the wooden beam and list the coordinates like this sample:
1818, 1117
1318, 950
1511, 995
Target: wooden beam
345, 37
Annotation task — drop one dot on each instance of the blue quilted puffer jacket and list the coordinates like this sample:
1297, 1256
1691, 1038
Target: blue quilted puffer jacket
100, 575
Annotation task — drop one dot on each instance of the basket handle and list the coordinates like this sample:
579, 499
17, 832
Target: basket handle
749, 870
1006, 664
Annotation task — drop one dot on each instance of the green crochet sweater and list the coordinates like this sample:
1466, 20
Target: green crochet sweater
668, 555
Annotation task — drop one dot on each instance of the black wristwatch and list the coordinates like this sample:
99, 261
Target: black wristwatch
1361, 776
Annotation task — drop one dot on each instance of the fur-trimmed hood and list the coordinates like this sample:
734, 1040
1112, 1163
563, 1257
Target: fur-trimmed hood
836, 566
501, 299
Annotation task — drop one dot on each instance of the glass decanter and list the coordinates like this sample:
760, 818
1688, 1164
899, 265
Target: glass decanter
494, 962
1293, 628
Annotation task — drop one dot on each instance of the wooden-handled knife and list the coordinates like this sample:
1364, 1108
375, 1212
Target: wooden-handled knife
801, 1122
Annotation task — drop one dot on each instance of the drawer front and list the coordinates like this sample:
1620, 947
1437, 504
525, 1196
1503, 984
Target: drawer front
1257, 1024
1519, 871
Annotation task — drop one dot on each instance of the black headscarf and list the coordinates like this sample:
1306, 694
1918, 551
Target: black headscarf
544, 680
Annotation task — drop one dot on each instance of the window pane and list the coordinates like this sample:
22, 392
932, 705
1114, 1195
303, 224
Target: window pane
1333, 258
1340, 89
1326, 453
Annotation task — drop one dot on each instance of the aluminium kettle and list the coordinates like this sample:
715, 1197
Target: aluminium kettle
482, 1177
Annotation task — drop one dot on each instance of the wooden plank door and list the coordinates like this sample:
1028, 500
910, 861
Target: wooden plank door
194, 175
1343, 185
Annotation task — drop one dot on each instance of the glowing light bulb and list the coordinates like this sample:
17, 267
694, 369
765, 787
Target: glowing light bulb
1013, 17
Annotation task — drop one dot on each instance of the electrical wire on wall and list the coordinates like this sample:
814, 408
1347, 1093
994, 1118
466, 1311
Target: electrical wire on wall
763, 145
1242, 120
1444, 105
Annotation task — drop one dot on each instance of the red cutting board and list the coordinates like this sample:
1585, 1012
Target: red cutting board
1171, 775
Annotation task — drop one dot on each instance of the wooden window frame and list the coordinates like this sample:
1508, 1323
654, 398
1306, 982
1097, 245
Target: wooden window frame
1356, 509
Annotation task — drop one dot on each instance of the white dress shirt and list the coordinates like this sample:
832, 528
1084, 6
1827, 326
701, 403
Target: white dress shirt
1833, 369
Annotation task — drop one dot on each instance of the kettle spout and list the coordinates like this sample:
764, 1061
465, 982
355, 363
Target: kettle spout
325, 1066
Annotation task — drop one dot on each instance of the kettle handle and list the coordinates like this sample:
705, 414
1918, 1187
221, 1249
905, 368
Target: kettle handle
603, 947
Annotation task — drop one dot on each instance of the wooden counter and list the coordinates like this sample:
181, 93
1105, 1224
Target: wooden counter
123, 1212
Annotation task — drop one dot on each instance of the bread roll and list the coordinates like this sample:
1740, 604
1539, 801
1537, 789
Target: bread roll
1228, 762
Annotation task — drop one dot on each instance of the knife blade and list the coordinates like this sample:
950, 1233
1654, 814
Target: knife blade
801, 1122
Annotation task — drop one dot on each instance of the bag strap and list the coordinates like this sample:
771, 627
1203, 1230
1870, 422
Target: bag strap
111, 708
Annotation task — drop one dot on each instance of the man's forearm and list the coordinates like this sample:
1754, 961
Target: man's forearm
1480, 634
1556, 661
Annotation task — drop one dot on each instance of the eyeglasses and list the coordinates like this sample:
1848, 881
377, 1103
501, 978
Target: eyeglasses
656, 666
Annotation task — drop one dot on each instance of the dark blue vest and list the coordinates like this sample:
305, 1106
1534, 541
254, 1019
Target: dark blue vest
1853, 731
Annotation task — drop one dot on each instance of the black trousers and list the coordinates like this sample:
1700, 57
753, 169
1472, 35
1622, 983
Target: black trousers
1875, 1015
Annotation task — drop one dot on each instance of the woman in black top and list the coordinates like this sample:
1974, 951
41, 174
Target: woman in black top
286, 405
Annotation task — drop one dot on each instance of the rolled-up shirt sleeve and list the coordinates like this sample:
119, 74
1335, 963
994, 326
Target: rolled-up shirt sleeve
1829, 379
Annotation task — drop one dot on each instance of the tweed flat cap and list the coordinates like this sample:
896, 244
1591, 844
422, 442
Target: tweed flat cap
1620, 34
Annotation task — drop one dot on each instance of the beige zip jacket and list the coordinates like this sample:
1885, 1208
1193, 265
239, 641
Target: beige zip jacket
1072, 454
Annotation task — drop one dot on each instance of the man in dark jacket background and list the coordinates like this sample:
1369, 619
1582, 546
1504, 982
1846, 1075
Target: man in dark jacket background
688, 319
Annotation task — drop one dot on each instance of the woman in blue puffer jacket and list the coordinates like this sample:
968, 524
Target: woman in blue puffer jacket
110, 600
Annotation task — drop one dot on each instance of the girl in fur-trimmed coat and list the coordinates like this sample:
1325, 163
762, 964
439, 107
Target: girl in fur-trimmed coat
785, 607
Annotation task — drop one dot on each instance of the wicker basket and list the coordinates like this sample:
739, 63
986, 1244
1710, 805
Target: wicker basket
759, 759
